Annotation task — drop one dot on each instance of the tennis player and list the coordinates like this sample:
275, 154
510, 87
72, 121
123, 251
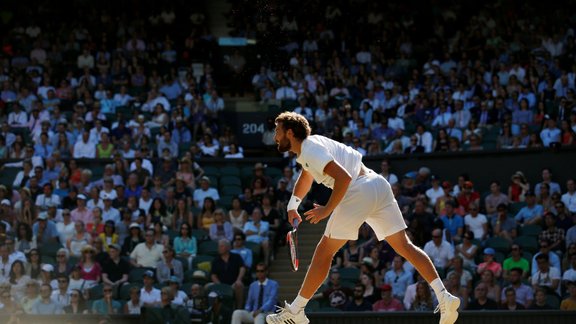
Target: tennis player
358, 195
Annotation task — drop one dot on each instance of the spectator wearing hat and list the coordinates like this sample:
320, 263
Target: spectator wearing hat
531, 213
44, 229
489, 263
90, 270
148, 253
258, 173
205, 191
387, 303
468, 196
149, 296
133, 238
262, 298
47, 276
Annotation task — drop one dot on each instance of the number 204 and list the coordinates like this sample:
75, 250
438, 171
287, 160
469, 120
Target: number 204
252, 128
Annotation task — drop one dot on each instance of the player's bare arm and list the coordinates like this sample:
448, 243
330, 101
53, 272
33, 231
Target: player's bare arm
301, 188
342, 180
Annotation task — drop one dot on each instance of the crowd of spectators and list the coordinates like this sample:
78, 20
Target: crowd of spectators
153, 226
502, 247
424, 78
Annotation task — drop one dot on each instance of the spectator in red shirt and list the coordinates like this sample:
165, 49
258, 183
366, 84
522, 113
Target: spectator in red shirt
387, 303
490, 264
468, 196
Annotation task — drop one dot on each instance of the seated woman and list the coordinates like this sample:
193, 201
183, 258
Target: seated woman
185, 244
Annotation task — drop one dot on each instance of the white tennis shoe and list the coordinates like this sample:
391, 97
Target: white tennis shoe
284, 316
448, 306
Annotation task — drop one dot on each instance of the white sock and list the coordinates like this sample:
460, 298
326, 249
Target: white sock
298, 304
438, 286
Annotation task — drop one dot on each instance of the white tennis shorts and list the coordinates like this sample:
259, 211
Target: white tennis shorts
369, 199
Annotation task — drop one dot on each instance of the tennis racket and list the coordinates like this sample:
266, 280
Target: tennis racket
292, 240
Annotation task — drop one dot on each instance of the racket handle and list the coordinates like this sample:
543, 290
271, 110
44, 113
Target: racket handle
295, 223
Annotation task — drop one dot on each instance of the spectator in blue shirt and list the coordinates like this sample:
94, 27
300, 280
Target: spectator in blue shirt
262, 298
531, 213
44, 229
453, 223
398, 278
242, 250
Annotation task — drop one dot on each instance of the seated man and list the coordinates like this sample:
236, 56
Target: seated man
257, 230
262, 298
228, 268
387, 303
106, 305
242, 250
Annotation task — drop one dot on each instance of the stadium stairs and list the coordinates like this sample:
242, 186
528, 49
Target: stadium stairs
281, 270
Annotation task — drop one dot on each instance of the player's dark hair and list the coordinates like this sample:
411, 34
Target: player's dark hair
296, 122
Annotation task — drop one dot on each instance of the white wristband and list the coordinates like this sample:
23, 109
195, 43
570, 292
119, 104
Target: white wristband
293, 203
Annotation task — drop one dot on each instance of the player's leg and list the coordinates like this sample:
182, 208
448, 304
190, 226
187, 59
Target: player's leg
315, 276
388, 223
447, 304
320, 265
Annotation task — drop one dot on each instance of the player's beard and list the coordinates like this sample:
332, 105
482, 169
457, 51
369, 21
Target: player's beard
284, 145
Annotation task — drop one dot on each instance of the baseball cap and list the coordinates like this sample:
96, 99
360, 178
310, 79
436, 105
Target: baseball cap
411, 175
205, 178
47, 267
43, 216
148, 273
5, 202
199, 274
174, 279
81, 196
489, 251
385, 287
114, 246
134, 225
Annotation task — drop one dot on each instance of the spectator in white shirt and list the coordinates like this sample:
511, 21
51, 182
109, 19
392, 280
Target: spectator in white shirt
439, 250
550, 134
569, 198
84, 148
205, 191
425, 138
18, 118
285, 92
